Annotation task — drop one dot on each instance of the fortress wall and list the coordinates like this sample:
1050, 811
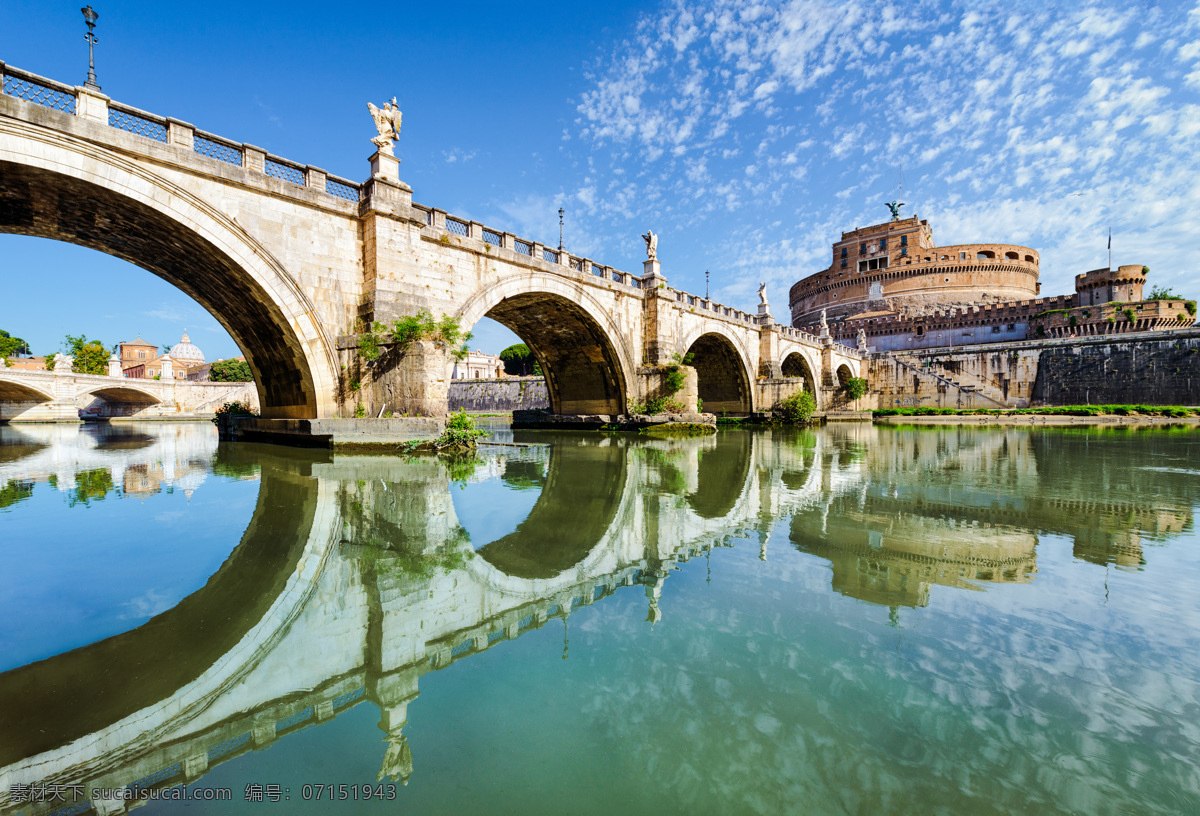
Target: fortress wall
1157, 368
509, 394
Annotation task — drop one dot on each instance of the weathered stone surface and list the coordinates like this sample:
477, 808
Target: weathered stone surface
503, 396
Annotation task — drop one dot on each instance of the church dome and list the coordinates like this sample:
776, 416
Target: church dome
185, 352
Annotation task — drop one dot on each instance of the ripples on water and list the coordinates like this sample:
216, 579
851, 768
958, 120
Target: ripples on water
851, 620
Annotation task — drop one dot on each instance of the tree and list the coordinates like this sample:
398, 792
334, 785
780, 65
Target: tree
91, 356
1163, 293
230, 371
11, 346
519, 361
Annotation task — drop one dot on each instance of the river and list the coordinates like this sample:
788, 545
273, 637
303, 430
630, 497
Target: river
853, 619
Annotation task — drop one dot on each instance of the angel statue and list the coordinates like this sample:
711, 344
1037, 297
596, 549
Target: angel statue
762, 294
651, 245
894, 208
824, 324
862, 339
387, 122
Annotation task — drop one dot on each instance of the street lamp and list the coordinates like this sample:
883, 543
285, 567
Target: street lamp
90, 17
560, 226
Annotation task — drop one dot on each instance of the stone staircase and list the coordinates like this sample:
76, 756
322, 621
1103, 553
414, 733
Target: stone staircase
974, 392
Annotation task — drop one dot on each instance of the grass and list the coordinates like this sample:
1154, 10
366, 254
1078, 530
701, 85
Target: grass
1178, 411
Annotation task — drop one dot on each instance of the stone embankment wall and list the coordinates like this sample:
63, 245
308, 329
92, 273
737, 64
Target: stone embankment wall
499, 396
1161, 368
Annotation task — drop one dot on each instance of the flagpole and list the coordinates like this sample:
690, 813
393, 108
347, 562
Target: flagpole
1110, 249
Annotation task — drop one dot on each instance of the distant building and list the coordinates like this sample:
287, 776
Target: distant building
478, 366
894, 284
27, 363
140, 360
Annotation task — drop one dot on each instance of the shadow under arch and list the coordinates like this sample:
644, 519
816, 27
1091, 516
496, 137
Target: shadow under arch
117, 208
586, 366
19, 392
721, 375
580, 499
796, 365
90, 688
721, 474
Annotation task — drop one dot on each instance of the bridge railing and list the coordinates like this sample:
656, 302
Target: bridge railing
57, 96
694, 302
36, 89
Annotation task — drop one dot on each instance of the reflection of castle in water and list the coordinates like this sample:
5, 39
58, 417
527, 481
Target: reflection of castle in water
355, 578
962, 508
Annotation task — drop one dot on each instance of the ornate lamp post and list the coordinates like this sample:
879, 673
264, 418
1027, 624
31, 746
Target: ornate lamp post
560, 226
90, 17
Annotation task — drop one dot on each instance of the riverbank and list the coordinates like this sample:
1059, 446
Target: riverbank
1038, 420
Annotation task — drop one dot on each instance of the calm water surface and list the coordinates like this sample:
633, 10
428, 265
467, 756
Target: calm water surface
852, 620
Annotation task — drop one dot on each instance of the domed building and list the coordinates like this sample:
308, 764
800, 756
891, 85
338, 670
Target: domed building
139, 362
185, 354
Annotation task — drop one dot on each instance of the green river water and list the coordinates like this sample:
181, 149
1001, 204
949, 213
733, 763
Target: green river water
850, 620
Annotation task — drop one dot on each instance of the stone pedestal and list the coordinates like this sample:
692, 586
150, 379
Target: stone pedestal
385, 166
114, 366
91, 104
652, 269
416, 385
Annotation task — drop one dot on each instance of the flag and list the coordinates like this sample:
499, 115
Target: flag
1110, 237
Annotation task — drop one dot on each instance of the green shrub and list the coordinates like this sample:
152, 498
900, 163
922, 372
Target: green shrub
855, 387
797, 409
1191, 307
460, 432
238, 408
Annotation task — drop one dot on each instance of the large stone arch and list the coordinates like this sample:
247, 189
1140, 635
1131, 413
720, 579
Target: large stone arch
800, 365
580, 348
724, 376
59, 187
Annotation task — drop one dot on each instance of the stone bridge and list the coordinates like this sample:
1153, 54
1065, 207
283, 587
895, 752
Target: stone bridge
62, 395
294, 263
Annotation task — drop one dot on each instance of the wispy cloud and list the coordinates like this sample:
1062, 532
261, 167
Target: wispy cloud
997, 111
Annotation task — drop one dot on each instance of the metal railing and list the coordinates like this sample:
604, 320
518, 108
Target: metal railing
492, 237
303, 715
283, 170
457, 227
349, 191
218, 149
39, 91
343, 700
550, 255
523, 247
137, 122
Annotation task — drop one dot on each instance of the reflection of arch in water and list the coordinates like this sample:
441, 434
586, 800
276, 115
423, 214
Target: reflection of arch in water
721, 475
227, 626
583, 492
578, 345
723, 375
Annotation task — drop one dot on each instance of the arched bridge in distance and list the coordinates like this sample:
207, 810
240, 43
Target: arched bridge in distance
293, 261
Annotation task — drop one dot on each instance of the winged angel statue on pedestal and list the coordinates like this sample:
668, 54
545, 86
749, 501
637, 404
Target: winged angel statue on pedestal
387, 122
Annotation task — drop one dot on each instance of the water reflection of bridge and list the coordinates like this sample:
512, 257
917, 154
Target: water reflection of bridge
355, 579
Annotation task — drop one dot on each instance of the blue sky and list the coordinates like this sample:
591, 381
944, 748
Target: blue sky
748, 135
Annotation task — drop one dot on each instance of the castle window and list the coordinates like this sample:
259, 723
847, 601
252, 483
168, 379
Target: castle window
862, 248
903, 240
843, 263
903, 250
844, 250
882, 244
995, 329
962, 256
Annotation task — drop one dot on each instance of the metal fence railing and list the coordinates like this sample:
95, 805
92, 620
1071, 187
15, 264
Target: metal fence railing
40, 92
131, 121
341, 189
219, 150
283, 170
457, 227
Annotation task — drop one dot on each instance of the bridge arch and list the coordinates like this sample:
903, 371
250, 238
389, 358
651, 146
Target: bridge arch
60, 187
799, 365
582, 351
722, 363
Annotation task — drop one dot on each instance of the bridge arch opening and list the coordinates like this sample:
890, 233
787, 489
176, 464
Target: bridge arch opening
17, 398
844, 375
721, 375
795, 365
138, 218
585, 370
